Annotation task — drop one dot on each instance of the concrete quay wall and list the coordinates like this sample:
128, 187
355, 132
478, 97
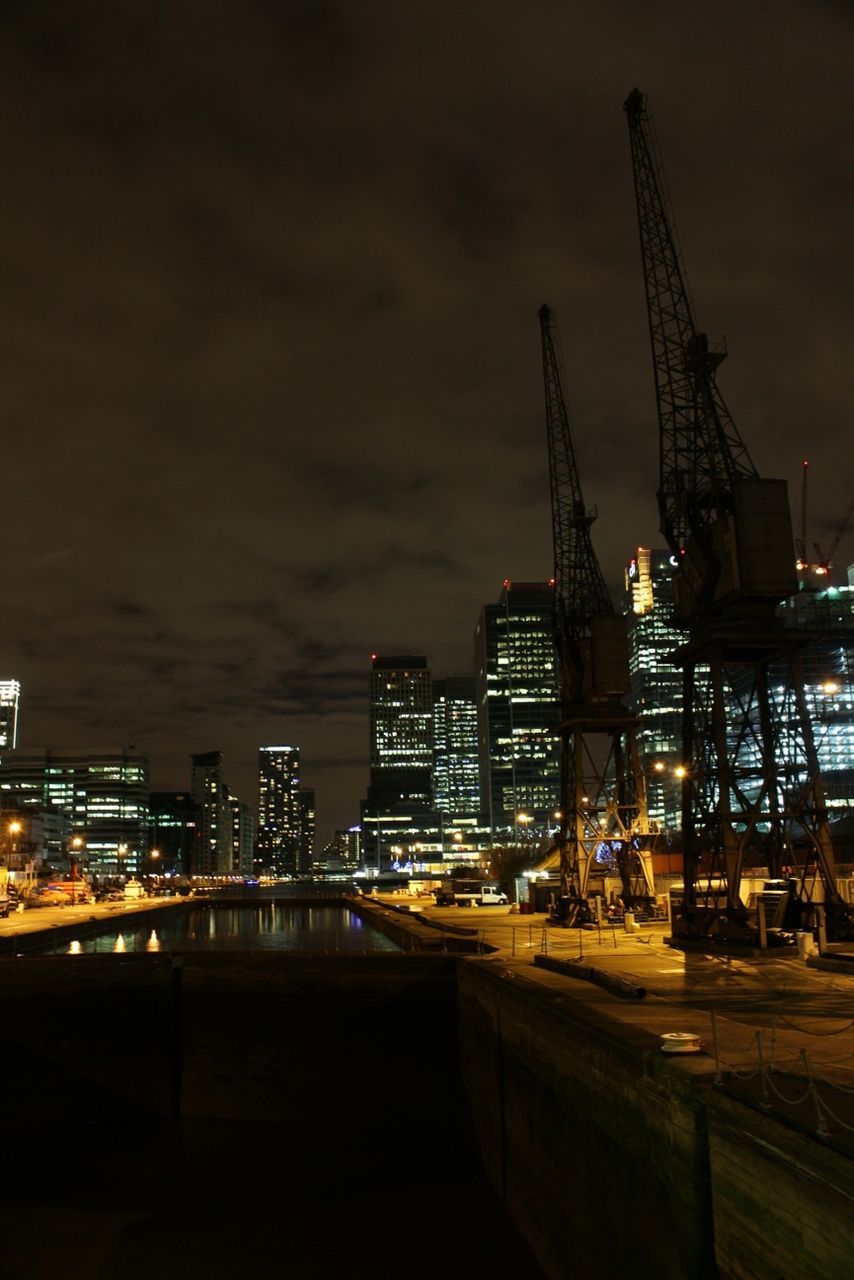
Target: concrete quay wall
608, 1153
596, 1144
783, 1202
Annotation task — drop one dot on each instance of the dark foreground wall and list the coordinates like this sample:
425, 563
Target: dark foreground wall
597, 1144
612, 1157
241, 1116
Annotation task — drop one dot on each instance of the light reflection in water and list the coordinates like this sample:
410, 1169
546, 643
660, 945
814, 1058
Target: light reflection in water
281, 926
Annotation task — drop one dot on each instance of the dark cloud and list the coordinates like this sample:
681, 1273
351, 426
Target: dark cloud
271, 385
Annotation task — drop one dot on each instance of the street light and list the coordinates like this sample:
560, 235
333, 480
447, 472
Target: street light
121, 852
153, 854
74, 853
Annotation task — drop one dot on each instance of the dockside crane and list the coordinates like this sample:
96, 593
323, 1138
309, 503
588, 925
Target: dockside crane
751, 786
603, 793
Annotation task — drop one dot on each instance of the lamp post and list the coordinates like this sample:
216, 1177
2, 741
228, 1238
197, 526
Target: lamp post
121, 852
73, 855
14, 832
153, 855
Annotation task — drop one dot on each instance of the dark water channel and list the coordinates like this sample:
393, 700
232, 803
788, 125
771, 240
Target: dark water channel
317, 929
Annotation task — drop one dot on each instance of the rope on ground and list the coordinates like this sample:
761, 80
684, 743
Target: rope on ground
807, 1031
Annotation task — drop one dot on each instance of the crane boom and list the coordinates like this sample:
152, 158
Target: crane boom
702, 454
580, 590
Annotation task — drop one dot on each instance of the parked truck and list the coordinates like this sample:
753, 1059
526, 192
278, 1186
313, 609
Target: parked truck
474, 893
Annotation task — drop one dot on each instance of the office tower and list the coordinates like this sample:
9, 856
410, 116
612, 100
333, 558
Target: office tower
10, 695
209, 792
277, 846
400, 791
456, 778
827, 619
242, 837
102, 796
517, 710
173, 828
307, 831
401, 727
655, 681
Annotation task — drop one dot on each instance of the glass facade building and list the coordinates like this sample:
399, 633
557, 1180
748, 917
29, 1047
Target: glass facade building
456, 777
173, 825
10, 697
102, 796
655, 694
518, 709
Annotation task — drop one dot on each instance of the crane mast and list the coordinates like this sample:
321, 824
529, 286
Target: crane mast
751, 783
603, 796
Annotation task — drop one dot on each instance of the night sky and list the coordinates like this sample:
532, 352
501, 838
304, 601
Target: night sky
271, 383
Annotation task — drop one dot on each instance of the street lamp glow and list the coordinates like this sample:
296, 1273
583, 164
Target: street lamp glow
680, 771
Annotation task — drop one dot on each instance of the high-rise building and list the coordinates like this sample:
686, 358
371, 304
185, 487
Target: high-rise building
210, 794
827, 618
173, 826
10, 696
102, 796
401, 757
307, 831
401, 727
518, 709
655, 694
278, 842
456, 776
242, 837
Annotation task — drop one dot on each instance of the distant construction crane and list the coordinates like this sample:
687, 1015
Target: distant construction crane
603, 793
822, 564
751, 783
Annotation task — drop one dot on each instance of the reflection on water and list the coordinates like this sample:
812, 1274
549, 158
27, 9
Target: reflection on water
269, 926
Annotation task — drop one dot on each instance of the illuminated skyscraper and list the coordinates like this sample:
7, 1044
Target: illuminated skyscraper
517, 710
278, 843
10, 695
656, 681
456, 781
827, 616
398, 810
401, 726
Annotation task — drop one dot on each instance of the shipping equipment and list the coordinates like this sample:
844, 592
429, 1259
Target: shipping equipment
603, 791
752, 787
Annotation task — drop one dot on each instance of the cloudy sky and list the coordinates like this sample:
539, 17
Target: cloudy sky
271, 385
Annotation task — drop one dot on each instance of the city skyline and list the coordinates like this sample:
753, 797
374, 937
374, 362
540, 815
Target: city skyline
272, 390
